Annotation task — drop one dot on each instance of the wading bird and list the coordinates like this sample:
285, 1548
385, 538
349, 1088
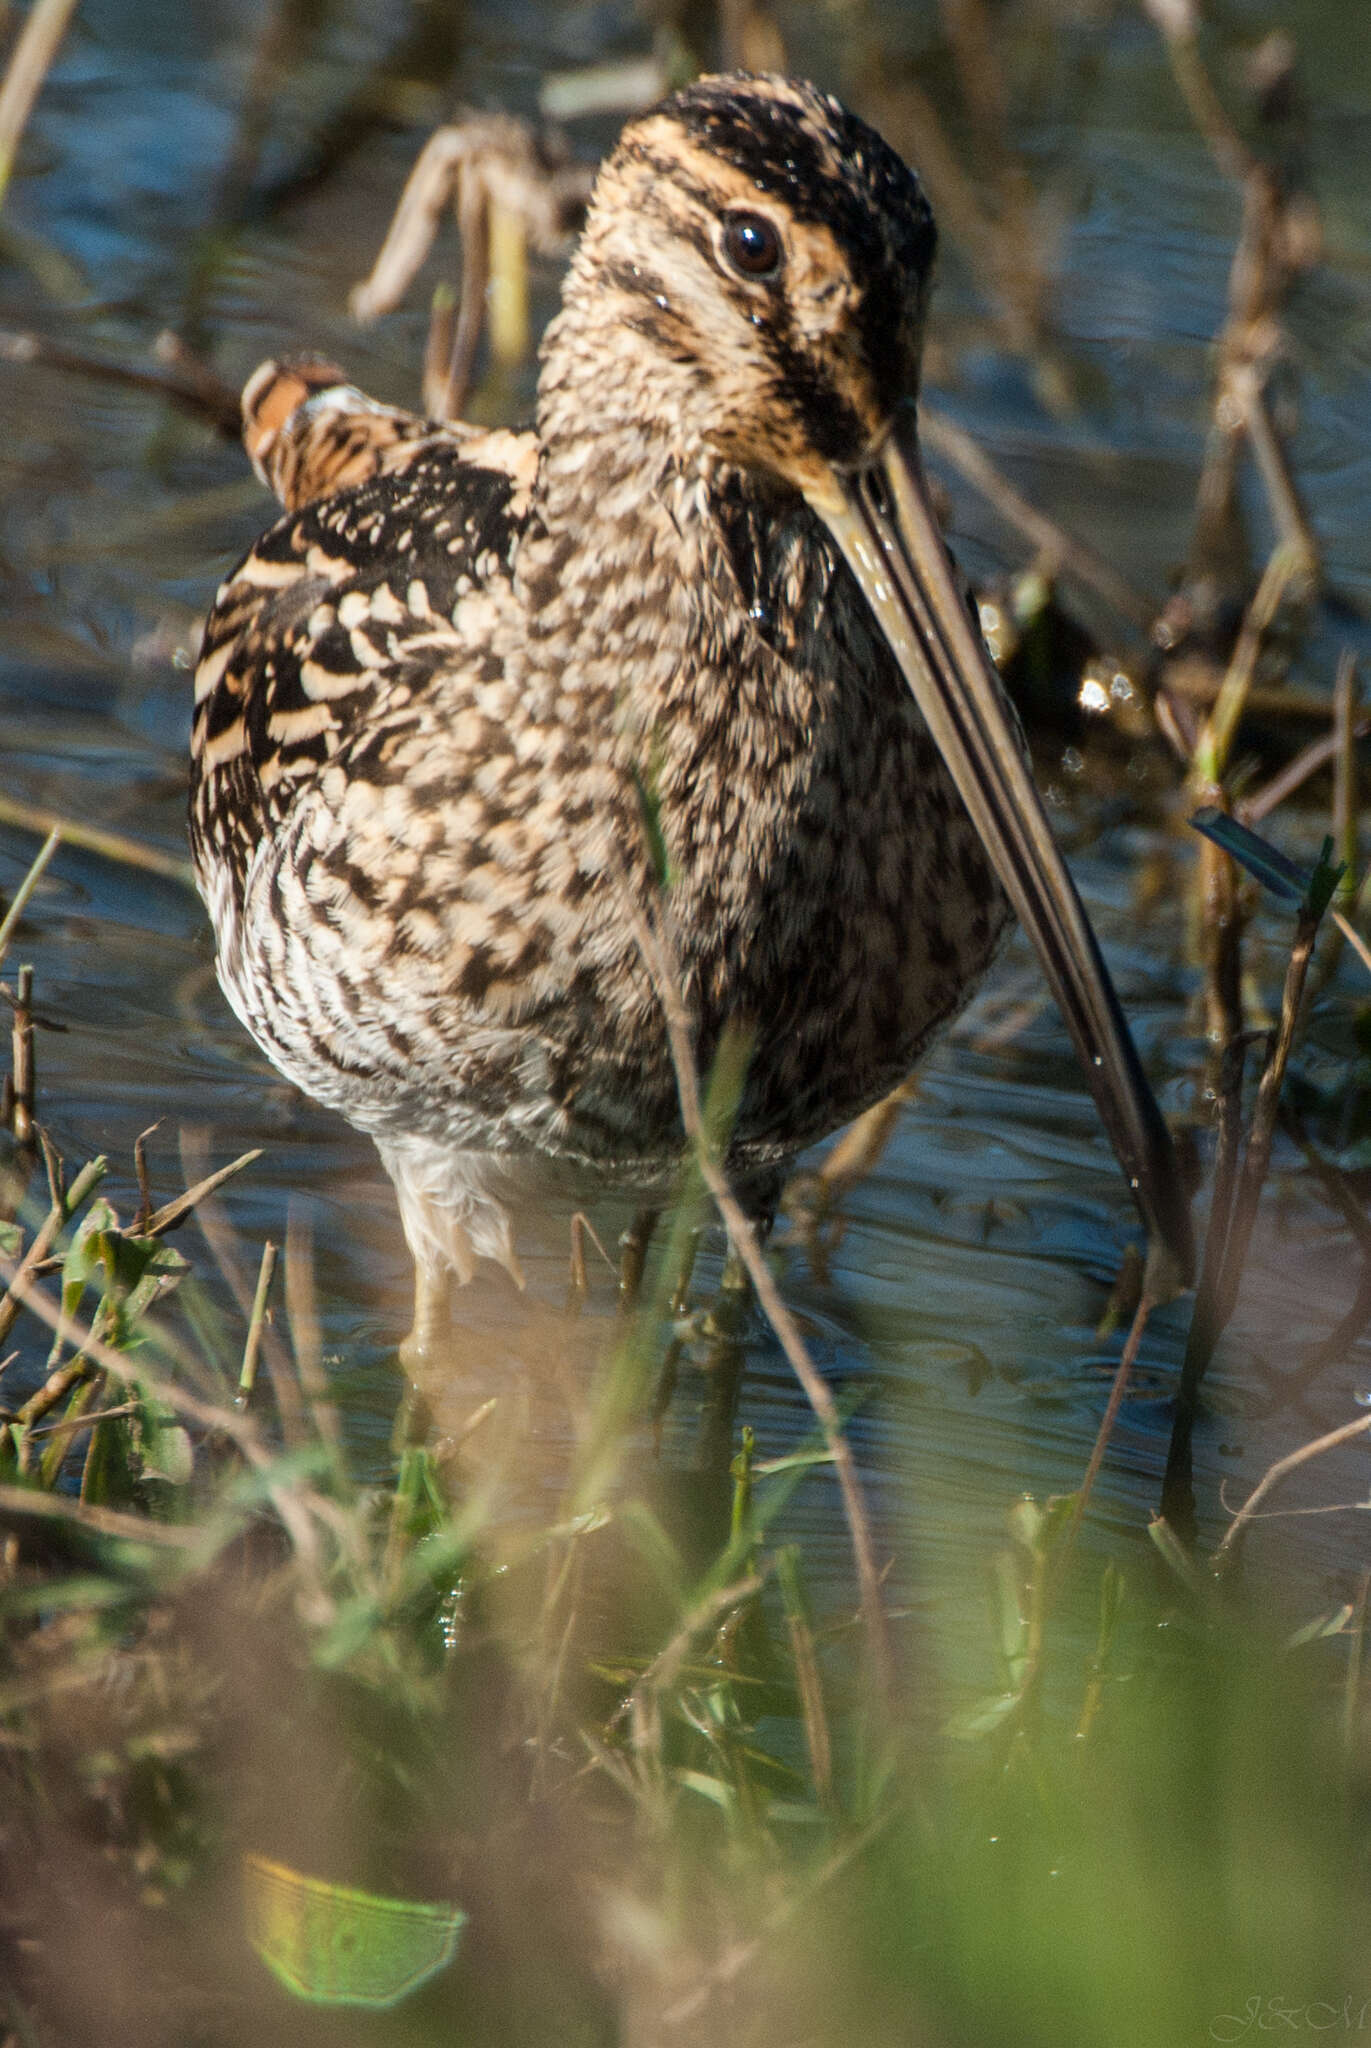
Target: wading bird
478, 697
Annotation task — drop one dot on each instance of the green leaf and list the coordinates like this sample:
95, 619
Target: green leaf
1267, 864
1333, 1623
110, 1478
650, 813
984, 1718
86, 1253
329, 1944
1324, 881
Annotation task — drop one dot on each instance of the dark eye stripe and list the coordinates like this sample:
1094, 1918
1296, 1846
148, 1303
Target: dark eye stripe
751, 246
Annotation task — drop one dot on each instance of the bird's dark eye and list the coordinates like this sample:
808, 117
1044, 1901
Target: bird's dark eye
751, 245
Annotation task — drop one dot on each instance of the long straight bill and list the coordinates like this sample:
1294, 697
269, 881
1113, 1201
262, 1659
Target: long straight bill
883, 522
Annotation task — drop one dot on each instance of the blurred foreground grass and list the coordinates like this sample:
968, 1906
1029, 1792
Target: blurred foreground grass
290, 1757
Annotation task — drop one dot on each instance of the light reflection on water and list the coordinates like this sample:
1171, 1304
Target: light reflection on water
961, 1302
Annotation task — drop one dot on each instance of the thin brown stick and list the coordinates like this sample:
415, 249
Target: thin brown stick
116, 846
45, 1237
56, 1386
1227, 1553
38, 44
1257, 1159
1356, 1655
247, 1376
20, 899
1222, 922
447, 397
659, 955
1061, 550
808, 1683
1346, 796
70, 1424
173, 1213
1287, 564
1217, 1295
289, 1500
140, 1173
1353, 938
218, 1235
1273, 466
1178, 21
25, 1081
1123, 1372
303, 1313
195, 391
20, 1504
1252, 809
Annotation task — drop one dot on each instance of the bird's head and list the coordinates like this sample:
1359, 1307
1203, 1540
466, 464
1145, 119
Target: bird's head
756, 263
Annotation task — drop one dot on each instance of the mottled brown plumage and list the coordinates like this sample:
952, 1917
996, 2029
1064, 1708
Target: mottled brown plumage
437, 695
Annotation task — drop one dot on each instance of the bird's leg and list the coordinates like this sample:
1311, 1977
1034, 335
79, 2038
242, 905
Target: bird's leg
430, 1327
723, 1364
676, 1307
579, 1286
413, 1421
666, 1387
680, 1293
633, 1247
727, 1312
723, 1378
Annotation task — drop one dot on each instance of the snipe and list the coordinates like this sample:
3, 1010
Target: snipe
437, 697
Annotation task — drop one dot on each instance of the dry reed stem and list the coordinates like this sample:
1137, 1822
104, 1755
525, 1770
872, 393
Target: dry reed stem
58, 1383
247, 1374
173, 1213
32, 58
1252, 809
1058, 549
1225, 1557
114, 846
20, 900
63, 1208
1346, 794
852, 1156
90, 1419
1123, 1372
1355, 1659
809, 1684
1287, 563
140, 1174
181, 380
302, 1310
445, 394
1257, 1158
23, 1080
643, 1705
218, 1234
1230, 1236
1273, 465
297, 1506
1353, 938
659, 955
24, 1504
